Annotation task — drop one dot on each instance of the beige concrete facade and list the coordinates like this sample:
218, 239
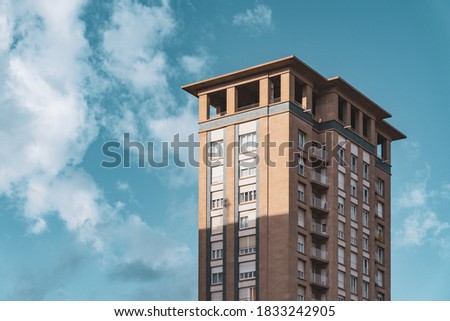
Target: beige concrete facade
277, 230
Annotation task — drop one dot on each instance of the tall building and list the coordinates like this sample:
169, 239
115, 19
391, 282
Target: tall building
294, 187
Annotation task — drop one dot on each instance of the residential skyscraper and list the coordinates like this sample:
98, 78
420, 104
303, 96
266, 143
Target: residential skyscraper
294, 187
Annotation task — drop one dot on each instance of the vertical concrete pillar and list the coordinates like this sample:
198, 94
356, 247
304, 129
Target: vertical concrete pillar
231, 100
203, 108
307, 96
264, 92
285, 86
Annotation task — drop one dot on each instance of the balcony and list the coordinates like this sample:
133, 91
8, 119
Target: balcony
319, 254
319, 229
319, 180
319, 204
317, 153
319, 280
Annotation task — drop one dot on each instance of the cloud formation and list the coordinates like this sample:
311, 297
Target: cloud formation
52, 110
422, 224
255, 19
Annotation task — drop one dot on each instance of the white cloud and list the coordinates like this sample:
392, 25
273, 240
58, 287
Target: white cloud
46, 125
195, 64
255, 19
421, 224
133, 45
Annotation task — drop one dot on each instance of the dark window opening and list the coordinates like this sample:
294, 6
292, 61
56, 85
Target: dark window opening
248, 95
298, 91
354, 118
381, 147
314, 99
366, 124
217, 103
341, 108
275, 89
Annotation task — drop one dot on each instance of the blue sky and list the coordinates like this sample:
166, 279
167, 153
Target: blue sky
76, 75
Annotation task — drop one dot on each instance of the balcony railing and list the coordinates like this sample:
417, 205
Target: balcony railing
318, 202
319, 279
319, 228
319, 177
317, 152
318, 253
247, 250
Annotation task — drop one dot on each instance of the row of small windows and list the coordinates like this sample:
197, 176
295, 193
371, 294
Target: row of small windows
247, 245
379, 235
245, 294
379, 210
247, 270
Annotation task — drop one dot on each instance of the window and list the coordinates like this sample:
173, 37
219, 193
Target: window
379, 279
353, 161
216, 250
301, 192
301, 139
216, 149
217, 103
341, 153
365, 266
353, 260
247, 294
217, 296
216, 224
365, 170
365, 290
353, 211
216, 275
380, 296
353, 187
275, 89
341, 107
365, 242
341, 233
341, 180
301, 269
353, 284
365, 194
247, 194
247, 270
379, 187
366, 124
247, 219
379, 255
247, 142
216, 200
341, 298
247, 95
380, 207
341, 279
298, 90
217, 174
300, 293
354, 117
365, 218
247, 245
353, 236
301, 167
301, 243
341, 201
247, 167
380, 232
341, 255
301, 217
381, 147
